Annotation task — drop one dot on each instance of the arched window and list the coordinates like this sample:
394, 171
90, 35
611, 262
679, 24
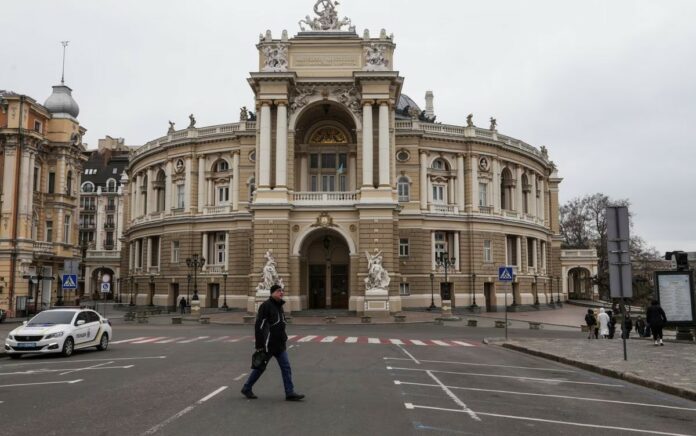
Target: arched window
111, 185
88, 187
68, 184
404, 189
439, 164
143, 190
160, 190
526, 189
507, 185
221, 166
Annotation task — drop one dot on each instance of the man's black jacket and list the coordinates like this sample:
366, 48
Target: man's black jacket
270, 327
655, 316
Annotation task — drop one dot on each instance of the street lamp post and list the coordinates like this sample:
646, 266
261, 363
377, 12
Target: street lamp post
188, 290
474, 306
152, 290
224, 301
432, 292
446, 262
131, 279
536, 291
194, 263
549, 301
558, 290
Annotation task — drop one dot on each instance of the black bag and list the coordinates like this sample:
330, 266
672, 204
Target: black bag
259, 360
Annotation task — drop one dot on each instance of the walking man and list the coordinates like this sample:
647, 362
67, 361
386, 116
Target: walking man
656, 318
271, 338
182, 305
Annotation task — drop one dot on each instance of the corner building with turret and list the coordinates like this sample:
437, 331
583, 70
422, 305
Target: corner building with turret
335, 164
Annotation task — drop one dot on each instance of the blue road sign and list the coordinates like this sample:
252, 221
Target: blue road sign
70, 281
505, 274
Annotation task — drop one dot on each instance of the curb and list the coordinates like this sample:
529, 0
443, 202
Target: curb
626, 376
325, 324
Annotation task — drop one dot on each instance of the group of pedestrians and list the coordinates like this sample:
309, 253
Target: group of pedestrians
603, 324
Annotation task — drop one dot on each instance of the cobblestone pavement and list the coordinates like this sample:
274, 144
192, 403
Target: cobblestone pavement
669, 368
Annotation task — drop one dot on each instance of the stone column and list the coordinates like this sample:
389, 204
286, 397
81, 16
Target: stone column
131, 258
148, 257
227, 251
24, 185
518, 247
457, 256
138, 252
535, 250
205, 252
532, 197
136, 196
264, 157
235, 181
168, 187
460, 182
519, 207
423, 170
281, 144
151, 193
474, 184
542, 200
367, 162
30, 191
384, 147
201, 183
210, 193
304, 172
188, 197
352, 176
496, 186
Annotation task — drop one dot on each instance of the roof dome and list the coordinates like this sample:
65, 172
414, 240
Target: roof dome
404, 106
61, 103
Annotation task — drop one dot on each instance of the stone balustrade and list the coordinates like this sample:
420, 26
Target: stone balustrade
325, 198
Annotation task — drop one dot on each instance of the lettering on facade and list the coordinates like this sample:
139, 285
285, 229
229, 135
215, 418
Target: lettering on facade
325, 61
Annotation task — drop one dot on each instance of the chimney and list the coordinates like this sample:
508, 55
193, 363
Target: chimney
429, 110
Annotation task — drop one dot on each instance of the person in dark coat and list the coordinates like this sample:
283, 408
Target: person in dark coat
591, 322
656, 318
182, 305
626, 327
271, 338
612, 323
640, 326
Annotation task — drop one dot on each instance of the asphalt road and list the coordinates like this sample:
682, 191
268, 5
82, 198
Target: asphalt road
367, 380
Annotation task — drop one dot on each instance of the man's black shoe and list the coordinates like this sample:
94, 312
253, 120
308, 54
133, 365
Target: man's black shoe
249, 394
294, 397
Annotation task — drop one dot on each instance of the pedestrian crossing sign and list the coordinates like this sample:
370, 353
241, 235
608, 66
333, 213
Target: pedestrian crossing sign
69, 281
505, 274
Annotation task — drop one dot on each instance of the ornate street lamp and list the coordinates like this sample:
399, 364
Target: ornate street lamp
152, 290
446, 262
195, 262
558, 290
536, 290
188, 290
549, 301
131, 279
432, 292
473, 291
224, 302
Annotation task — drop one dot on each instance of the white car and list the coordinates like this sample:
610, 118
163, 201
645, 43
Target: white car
59, 331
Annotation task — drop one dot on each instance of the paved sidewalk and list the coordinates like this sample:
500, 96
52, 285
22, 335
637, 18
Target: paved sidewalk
669, 368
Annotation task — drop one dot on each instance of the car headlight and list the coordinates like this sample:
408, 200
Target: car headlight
10, 337
53, 335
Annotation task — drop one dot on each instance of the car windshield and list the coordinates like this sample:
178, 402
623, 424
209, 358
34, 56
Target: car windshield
52, 317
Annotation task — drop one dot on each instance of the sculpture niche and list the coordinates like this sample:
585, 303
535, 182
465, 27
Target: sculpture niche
377, 277
269, 276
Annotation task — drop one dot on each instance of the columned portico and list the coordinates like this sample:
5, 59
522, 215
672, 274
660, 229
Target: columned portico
264, 155
367, 151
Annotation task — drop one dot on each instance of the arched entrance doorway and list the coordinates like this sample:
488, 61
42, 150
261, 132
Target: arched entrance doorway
580, 284
102, 285
326, 269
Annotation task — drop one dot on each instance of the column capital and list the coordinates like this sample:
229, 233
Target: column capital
368, 102
424, 152
384, 102
280, 102
235, 152
265, 102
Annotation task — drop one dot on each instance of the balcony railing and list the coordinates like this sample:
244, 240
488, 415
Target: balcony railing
325, 198
214, 269
486, 209
110, 208
104, 254
109, 226
444, 209
216, 210
43, 247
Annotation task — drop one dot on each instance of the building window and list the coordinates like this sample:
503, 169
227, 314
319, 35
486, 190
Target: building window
66, 229
88, 187
51, 182
314, 161
154, 256
37, 126
175, 251
36, 179
180, 191
328, 172
403, 189
530, 252
223, 195
220, 248
440, 244
111, 185
49, 231
439, 164
439, 194
483, 194
68, 184
487, 253
404, 249
512, 254
109, 240
404, 289
222, 166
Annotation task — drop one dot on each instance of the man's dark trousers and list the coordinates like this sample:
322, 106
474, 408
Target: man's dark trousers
285, 370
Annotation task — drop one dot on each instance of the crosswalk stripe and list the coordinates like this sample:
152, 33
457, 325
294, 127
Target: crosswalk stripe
291, 337
237, 339
123, 341
396, 341
351, 340
306, 338
441, 343
193, 340
221, 338
417, 342
463, 344
329, 339
373, 341
170, 340
145, 341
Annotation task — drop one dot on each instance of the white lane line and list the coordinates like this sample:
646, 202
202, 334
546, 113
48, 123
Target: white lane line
306, 338
409, 355
373, 341
193, 340
550, 421
544, 380
396, 341
170, 340
565, 397
455, 398
178, 415
463, 344
147, 341
417, 342
291, 337
329, 339
61, 362
221, 338
238, 339
240, 377
67, 382
66, 370
123, 341
441, 343
351, 340
89, 367
485, 364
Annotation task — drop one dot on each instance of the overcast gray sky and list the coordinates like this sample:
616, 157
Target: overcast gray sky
608, 86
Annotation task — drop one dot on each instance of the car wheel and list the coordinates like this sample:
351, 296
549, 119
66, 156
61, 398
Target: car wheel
103, 342
68, 347
15, 356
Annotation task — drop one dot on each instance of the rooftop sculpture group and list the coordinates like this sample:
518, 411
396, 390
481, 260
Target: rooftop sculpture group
327, 19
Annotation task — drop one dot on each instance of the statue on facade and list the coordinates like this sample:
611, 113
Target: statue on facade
269, 276
171, 127
192, 121
470, 120
494, 123
327, 18
544, 152
276, 58
349, 97
377, 276
376, 57
301, 97
243, 114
